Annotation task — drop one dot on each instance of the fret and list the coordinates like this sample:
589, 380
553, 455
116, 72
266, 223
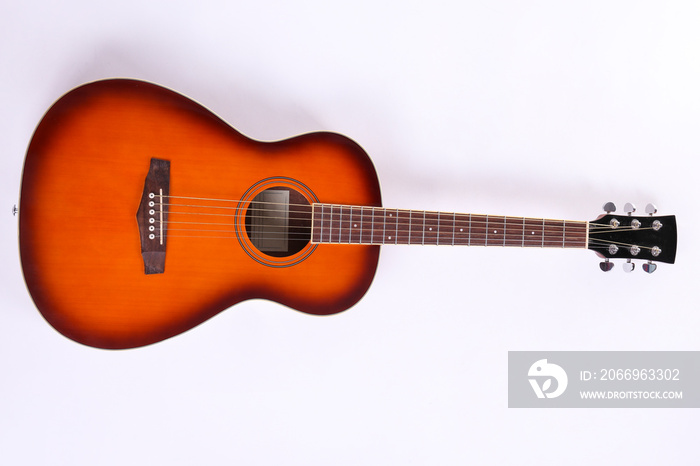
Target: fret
462, 228
469, 236
554, 233
487, 231
335, 222
513, 231
325, 224
362, 214
320, 224
366, 225
542, 232
377, 227
403, 227
377, 237
315, 224
357, 225
342, 235
438, 230
477, 230
340, 223
351, 226
396, 221
384, 237
445, 228
345, 227
494, 231
417, 230
533, 233
430, 228
563, 237
330, 224
345, 224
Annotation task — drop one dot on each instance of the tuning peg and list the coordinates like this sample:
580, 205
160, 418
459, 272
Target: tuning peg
609, 207
606, 265
650, 209
649, 267
629, 208
628, 266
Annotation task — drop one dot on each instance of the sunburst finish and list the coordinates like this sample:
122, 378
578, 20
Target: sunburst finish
82, 183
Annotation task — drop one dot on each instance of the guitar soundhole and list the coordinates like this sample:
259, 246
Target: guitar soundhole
278, 222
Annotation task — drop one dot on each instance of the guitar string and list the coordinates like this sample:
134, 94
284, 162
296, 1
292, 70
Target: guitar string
547, 232
476, 236
476, 218
494, 220
573, 244
554, 241
545, 238
550, 235
388, 210
459, 238
280, 231
554, 230
404, 241
379, 223
478, 229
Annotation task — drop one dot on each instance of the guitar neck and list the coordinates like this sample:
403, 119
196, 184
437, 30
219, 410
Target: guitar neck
343, 224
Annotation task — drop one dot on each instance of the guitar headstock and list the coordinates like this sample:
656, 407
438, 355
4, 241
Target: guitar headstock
649, 238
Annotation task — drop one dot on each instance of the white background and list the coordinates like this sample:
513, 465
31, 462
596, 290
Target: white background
536, 108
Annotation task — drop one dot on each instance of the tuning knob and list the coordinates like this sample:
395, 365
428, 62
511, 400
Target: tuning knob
609, 207
650, 209
629, 208
606, 265
628, 266
649, 267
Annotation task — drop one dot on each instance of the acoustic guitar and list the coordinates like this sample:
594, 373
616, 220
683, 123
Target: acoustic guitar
142, 214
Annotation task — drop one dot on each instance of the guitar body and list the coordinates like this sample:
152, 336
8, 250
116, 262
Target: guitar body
83, 182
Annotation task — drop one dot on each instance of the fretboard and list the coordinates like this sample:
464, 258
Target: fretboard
344, 224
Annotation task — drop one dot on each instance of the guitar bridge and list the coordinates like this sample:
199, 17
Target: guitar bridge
152, 216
